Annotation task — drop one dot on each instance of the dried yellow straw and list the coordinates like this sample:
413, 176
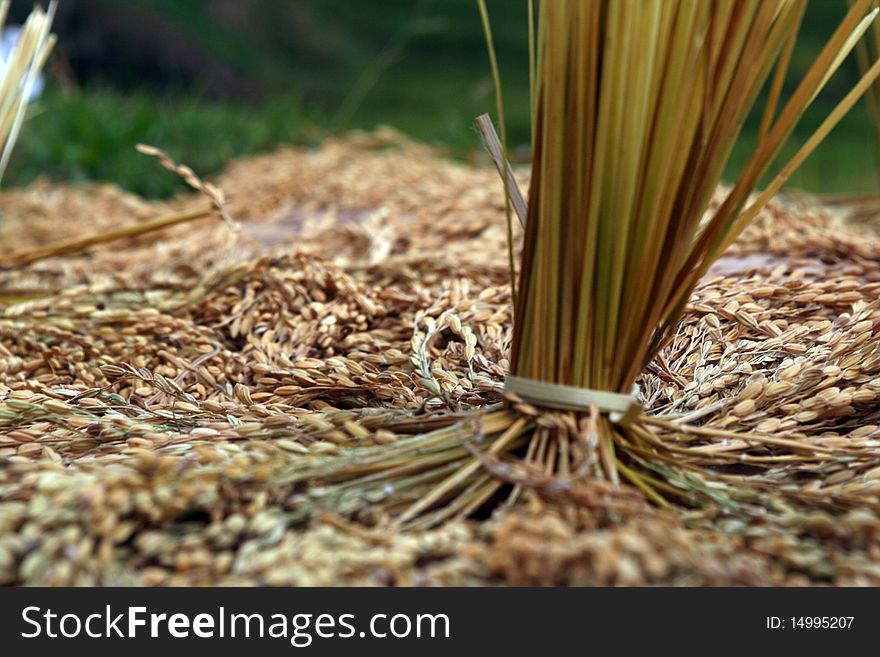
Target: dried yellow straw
20, 73
79, 244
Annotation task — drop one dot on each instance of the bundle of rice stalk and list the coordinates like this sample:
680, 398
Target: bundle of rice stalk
637, 106
19, 74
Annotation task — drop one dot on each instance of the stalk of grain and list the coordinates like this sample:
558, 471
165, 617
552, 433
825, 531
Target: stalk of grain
868, 51
865, 207
18, 76
637, 108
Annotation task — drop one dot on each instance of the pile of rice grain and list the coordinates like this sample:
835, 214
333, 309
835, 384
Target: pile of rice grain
154, 392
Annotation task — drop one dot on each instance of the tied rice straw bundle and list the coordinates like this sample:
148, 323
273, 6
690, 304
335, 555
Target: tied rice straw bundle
867, 52
19, 74
637, 106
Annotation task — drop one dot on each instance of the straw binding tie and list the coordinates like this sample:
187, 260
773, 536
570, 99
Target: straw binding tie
622, 409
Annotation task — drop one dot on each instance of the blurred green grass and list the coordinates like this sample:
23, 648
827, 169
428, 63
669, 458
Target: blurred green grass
332, 66
75, 136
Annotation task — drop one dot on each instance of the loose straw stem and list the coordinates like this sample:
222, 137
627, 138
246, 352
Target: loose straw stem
68, 247
496, 151
499, 106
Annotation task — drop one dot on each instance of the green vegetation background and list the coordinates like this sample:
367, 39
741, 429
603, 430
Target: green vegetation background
327, 66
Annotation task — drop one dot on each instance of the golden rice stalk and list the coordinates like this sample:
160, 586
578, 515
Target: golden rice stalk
865, 207
637, 108
79, 244
19, 74
66, 247
868, 51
